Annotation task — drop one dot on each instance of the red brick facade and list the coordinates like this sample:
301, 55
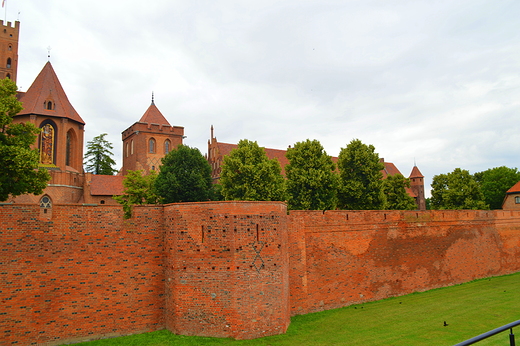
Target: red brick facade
9, 50
234, 269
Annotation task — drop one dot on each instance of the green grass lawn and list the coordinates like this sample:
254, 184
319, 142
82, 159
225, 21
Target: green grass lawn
417, 319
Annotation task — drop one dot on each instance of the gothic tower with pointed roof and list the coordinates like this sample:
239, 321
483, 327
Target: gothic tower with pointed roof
60, 143
417, 187
147, 141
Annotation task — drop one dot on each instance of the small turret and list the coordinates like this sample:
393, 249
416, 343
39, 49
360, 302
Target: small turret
417, 186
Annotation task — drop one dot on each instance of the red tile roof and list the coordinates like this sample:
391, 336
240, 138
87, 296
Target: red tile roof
390, 169
514, 189
47, 87
106, 185
416, 173
225, 149
154, 116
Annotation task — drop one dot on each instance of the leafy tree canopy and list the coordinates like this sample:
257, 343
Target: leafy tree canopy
138, 189
456, 190
185, 176
360, 178
249, 175
19, 172
394, 188
99, 156
495, 182
311, 180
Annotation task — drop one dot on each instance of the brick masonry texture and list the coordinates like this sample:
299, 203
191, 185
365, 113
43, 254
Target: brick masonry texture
229, 269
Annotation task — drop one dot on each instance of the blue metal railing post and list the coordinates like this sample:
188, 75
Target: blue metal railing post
511, 337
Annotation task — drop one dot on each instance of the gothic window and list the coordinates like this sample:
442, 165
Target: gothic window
45, 202
132, 147
151, 146
167, 146
8, 75
10, 47
69, 149
49, 105
47, 143
127, 149
8, 63
517, 200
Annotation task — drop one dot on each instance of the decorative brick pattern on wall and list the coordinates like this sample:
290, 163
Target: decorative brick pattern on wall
228, 274
229, 269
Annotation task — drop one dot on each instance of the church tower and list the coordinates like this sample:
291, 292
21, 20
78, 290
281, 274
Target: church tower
9, 50
147, 141
61, 141
417, 186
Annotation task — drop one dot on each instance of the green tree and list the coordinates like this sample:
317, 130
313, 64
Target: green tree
138, 189
185, 176
99, 156
311, 180
360, 178
19, 172
249, 175
495, 182
456, 190
394, 188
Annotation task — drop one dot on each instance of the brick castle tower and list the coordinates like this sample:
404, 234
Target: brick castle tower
9, 50
417, 186
147, 141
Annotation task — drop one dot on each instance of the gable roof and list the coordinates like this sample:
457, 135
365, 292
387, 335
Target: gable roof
225, 149
106, 185
154, 116
514, 189
47, 87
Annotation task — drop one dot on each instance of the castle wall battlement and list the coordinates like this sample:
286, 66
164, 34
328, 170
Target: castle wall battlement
227, 269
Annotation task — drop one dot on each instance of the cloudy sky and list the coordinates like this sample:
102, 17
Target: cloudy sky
435, 82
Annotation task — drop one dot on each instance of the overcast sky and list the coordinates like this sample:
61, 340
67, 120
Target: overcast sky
432, 81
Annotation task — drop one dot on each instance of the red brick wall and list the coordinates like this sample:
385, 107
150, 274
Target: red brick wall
216, 283
338, 258
82, 274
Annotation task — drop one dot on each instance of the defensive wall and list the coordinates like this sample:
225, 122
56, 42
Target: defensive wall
227, 269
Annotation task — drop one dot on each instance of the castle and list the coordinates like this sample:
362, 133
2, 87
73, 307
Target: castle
74, 270
61, 142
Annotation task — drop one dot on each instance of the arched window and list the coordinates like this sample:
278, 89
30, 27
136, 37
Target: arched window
45, 202
8, 63
167, 145
127, 148
70, 148
47, 143
49, 105
132, 147
10, 48
8, 75
151, 146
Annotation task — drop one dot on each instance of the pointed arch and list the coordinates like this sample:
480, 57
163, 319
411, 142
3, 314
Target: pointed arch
167, 146
151, 146
70, 148
45, 202
47, 142
9, 62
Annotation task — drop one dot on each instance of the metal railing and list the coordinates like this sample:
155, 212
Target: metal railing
491, 333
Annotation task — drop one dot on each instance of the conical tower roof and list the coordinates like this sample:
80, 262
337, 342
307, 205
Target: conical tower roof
154, 116
47, 87
416, 173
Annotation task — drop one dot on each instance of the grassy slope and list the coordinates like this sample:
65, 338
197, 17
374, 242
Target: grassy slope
416, 319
